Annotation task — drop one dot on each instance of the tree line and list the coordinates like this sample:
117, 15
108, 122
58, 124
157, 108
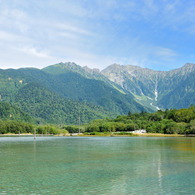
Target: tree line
170, 121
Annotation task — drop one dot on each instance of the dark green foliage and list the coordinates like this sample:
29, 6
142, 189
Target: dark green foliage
10, 112
79, 88
46, 101
49, 107
44, 96
72, 129
182, 93
15, 127
170, 121
48, 130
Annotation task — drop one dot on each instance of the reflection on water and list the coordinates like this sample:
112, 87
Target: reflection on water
97, 165
159, 174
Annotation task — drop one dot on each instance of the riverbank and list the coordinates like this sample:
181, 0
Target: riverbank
132, 135
159, 135
13, 134
101, 135
30, 134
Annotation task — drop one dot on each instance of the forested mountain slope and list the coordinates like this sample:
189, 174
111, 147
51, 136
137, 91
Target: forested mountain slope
59, 97
10, 112
58, 92
49, 107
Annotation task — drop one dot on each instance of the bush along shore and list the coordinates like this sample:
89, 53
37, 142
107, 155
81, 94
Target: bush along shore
169, 122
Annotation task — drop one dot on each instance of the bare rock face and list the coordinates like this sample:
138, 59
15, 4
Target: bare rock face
154, 85
91, 71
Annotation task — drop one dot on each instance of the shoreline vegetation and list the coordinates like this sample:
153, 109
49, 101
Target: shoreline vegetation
103, 134
167, 123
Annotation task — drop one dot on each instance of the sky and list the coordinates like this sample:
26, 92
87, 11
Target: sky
155, 34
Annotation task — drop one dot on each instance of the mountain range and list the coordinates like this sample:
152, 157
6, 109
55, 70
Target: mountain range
163, 89
62, 92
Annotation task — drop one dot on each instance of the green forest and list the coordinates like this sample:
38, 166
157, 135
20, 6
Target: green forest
170, 121
54, 99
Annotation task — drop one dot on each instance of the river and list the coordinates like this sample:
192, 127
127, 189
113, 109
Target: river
97, 165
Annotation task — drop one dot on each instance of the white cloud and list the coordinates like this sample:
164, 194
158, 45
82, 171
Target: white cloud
6, 36
14, 19
12, 57
68, 35
34, 52
94, 33
165, 53
14, 13
68, 7
73, 29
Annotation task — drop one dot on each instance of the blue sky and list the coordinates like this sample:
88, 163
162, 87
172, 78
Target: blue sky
155, 34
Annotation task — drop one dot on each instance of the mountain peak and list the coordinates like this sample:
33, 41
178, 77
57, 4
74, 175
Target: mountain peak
65, 64
189, 66
89, 70
62, 67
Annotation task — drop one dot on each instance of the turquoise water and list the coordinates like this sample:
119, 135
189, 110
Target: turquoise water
97, 165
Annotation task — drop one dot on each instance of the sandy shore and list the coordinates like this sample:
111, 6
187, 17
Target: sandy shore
158, 135
139, 135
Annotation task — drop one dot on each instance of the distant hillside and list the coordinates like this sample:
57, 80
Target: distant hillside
46, 106
74, 85
10, 112
164, 89
31, 91
86, 72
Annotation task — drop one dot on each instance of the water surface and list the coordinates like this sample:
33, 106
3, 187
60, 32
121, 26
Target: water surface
97, 165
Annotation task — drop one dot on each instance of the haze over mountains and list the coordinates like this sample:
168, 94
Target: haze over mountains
57, 93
